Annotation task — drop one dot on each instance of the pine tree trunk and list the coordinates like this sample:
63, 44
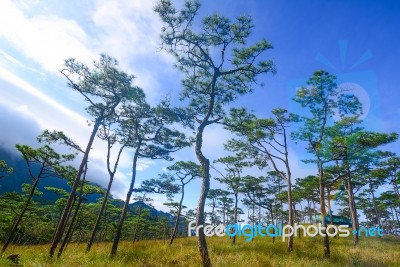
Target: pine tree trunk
126, 204
235, 216
377, 219
327, 251
99, 215
396, 189
205, 186
289, 247
174, 232
352, 207
137, 225
273, 229
70, 228
65, 214
19, 219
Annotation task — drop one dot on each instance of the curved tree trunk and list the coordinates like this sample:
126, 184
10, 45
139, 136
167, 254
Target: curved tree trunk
205, 186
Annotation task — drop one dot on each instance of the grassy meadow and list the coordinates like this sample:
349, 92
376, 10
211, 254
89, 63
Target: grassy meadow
372, 251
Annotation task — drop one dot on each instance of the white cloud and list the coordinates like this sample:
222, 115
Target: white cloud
46, 39
126, 30
215, 136
39, 36
129, 31
127, 27
48, 103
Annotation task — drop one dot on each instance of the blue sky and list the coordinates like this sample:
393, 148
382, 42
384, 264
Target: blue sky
357, 40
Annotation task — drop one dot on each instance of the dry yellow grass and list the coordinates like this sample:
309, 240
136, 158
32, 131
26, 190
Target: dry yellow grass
260, 252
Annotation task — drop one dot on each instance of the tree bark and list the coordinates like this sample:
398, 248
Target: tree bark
63, 220
177, 218
126, 204
327, 251
205, 186
289, 247
136, 230
70, 228
19, 219
352, 207
377, 217
100, 214
235, 216
396, 188
107, 193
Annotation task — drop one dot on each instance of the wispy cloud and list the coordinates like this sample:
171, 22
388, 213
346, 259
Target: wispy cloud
127, 30
46, 39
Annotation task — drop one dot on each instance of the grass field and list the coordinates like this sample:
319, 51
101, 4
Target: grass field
260, 252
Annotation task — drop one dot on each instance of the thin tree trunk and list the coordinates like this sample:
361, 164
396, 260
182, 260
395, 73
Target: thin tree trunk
107, 193
137, 224
315, 210
19, 219
63, 220
252, 215
329, 205
177, 218
126, 204
205, 186
70, 228
104, 230
99, 215
323, 209
72, 222
289, 247
396, 189
393, 224
397, 217
377, 219
273, 229
81, 234
213, 213
352, 207
235, 216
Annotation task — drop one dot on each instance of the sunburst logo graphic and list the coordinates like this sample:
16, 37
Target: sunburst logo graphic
352, 79
350, 82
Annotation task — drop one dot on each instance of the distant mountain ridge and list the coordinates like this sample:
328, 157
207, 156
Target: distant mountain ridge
13, 182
